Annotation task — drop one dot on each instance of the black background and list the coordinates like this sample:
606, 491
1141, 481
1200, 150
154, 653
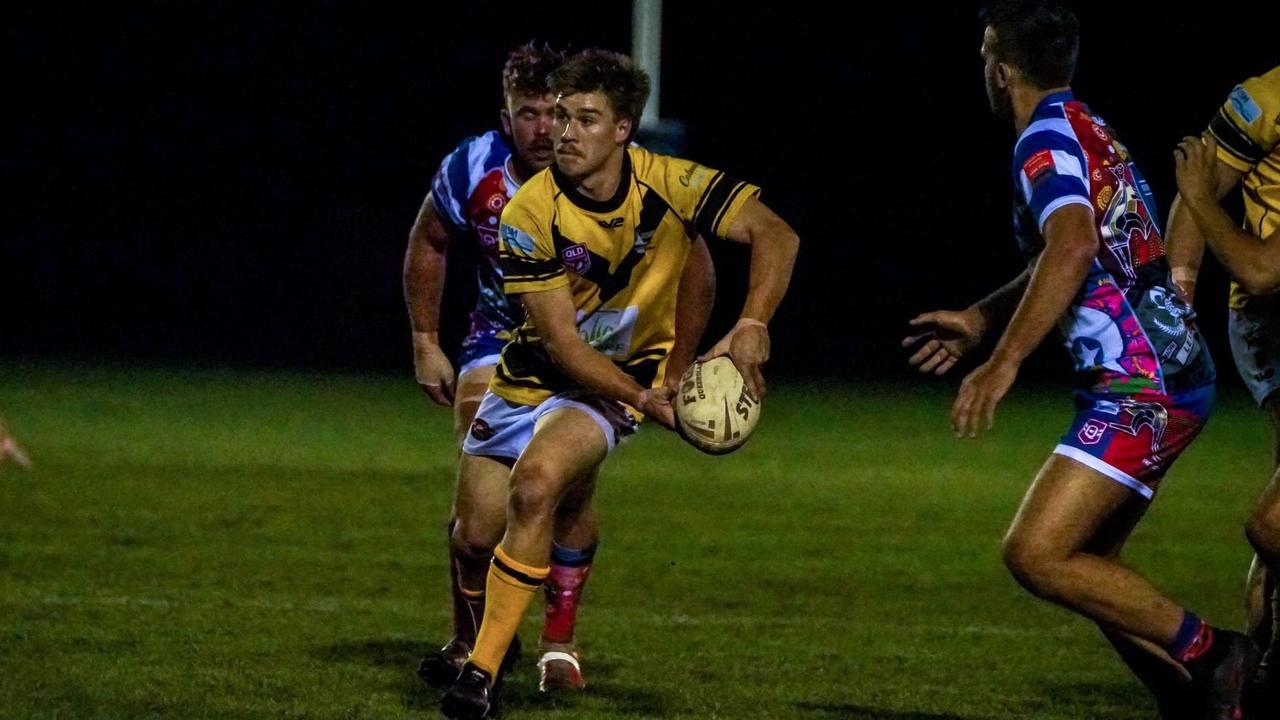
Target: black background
193, 183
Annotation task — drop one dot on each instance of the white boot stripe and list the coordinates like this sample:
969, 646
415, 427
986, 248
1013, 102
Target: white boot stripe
554, 655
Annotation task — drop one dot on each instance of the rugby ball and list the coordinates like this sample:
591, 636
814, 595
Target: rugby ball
714, 411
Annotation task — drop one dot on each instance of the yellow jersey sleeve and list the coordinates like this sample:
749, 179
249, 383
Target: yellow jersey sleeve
706, 198
1246, 126
526, 250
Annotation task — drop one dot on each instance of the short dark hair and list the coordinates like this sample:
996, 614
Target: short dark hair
527, 68
625, 85
1039, 37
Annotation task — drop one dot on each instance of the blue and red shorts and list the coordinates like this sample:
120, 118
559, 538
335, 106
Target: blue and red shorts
1134, 439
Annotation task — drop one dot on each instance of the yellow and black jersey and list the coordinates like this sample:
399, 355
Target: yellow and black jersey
1247, 129
621, 258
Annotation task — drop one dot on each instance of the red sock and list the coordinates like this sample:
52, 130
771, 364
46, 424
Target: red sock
569, 572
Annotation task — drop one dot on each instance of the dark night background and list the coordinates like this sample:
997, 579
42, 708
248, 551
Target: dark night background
197, 183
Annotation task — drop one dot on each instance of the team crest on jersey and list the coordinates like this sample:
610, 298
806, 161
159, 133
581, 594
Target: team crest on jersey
576, 258
488, 238
496, 202
643, 239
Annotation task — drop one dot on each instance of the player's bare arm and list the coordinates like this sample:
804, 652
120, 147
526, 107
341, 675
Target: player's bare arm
552, 312
949, 335
694, 300
1071, 244
1253, 261
773, 255
424, 272
1184, 244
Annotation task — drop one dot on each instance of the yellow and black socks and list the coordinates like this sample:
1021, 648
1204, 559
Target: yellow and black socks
510, 588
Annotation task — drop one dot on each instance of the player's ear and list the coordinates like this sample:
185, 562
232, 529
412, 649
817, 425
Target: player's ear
623, 130
506, 122
1004, 73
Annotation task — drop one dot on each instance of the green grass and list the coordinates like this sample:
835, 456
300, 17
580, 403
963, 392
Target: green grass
223, 544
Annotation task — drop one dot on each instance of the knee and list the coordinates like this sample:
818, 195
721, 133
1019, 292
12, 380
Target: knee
535, 492
475, 538
1032, 564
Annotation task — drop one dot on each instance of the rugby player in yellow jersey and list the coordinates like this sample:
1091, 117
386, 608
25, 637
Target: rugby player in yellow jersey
594, 248
474, 183
1242, 147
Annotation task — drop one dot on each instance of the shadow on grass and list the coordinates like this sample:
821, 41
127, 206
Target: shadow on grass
399, 657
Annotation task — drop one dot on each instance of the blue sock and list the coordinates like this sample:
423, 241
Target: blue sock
1193, 638
569, 557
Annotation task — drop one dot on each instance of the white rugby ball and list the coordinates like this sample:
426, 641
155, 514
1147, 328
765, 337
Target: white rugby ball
714, 411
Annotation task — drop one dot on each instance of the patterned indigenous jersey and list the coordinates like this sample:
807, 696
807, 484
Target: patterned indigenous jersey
621, 258
1126, 328
1247, 128
469, 191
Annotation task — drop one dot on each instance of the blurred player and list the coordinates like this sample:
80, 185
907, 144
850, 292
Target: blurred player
10, 450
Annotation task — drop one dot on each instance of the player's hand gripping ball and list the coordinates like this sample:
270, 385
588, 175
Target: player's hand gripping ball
714, 411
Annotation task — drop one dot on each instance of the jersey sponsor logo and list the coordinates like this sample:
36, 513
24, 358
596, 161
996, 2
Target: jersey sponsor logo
611, 223
1102, 134
576, 258
1039, 166
496, 202
1243, 103
1092, 432
609, 331
517, 240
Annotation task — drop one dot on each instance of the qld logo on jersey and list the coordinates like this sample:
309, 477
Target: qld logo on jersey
576, 258
1092, 432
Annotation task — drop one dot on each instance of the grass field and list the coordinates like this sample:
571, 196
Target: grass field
220, 544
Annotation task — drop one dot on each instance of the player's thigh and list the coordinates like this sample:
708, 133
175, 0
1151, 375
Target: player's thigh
1066, 508
480, 503
468, 393
1114, 532
568, 444
1254, 332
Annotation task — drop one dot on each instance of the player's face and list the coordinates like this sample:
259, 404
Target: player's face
994, 75
587, 133
529, 121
